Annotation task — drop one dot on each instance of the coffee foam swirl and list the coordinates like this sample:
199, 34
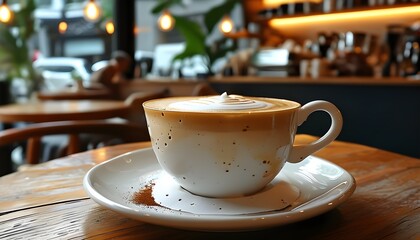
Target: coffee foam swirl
222, 102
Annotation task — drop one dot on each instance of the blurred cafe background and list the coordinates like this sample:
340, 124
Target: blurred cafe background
362, 55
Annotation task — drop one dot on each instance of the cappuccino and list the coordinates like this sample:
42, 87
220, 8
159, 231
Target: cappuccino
222, 146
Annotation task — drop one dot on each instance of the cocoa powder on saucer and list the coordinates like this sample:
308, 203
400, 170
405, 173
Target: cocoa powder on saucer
144, 196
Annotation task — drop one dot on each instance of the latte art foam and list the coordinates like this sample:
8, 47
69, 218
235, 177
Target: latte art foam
222, 102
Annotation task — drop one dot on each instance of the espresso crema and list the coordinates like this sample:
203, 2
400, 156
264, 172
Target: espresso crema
217, 103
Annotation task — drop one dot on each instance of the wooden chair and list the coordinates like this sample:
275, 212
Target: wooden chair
203, 89
126, 131
135, 101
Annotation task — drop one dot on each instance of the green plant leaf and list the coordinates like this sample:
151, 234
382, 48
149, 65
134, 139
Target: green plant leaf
220, 49
14, 52
195, 35
213, 16
8, 43
194, 38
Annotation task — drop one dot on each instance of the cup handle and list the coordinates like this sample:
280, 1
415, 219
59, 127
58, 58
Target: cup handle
300, 152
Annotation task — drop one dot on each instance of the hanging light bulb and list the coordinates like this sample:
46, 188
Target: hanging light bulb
136, 30
62, 27
109, 27
92, 11
166, 22
226, 24
6, 15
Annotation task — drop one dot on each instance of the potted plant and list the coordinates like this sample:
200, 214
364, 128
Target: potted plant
195, 35
15, 60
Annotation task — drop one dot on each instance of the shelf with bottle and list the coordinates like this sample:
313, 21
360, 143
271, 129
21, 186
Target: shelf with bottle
243, 33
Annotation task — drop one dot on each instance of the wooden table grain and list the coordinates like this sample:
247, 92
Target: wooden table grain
81, 94
64, 110
47, 201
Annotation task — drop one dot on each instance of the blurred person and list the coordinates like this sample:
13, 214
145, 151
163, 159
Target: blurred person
112, 75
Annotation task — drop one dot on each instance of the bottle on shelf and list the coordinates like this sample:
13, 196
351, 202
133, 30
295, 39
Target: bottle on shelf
410, 62
394, 38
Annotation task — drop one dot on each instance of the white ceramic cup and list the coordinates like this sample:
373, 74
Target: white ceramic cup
228, 152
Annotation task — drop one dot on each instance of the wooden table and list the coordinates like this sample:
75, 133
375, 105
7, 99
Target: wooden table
81, 94
48, 111
47, 201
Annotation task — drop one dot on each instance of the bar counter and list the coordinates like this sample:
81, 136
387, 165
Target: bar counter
367, 81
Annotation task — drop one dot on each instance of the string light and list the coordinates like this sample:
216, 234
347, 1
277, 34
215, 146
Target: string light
92, 11
226, 24
166, 22
136, 30
109, 27
6, 15
62, 27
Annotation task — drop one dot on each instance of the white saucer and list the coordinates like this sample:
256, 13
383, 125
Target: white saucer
321, 185
159, 189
